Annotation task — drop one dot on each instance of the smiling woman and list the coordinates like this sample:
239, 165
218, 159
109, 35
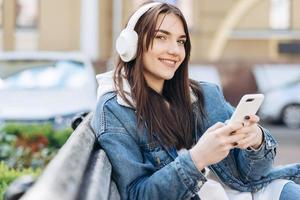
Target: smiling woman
167, 52
162, 131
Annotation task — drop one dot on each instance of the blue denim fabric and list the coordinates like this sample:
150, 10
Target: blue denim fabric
290, 191
148, 170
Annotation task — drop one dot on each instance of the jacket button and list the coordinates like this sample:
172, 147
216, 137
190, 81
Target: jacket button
200, 183
158, 160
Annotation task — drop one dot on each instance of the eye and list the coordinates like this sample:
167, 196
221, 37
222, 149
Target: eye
182, 42
160, 37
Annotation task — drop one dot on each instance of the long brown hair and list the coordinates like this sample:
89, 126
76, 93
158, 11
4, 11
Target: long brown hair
173, 121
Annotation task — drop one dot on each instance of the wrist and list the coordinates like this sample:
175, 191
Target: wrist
199, 163
260, 138
255, 147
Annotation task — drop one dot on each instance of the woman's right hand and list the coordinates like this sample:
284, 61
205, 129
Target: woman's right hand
215, 144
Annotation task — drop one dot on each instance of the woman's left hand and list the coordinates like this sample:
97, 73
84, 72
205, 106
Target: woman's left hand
253, 134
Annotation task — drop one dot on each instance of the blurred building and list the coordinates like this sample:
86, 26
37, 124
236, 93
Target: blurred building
232, 35
254, 30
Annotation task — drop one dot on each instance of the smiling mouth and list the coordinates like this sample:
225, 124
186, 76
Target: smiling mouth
168, 62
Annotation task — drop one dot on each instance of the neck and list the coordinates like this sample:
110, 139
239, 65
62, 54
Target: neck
156, 85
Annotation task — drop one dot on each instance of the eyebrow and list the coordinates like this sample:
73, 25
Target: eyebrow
168, 33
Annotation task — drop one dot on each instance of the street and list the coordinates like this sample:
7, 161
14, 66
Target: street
288, 150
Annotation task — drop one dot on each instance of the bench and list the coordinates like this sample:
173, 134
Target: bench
79, 171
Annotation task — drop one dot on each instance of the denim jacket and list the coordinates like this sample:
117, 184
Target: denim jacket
148, 170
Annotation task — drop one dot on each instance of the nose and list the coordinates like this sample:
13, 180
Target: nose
173, 48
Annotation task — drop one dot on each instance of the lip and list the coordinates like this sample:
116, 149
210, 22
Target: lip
168, 62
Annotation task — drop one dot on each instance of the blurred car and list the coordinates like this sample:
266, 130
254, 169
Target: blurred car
281, 86
45, 87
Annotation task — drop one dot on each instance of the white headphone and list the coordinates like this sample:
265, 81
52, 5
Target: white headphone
126, 44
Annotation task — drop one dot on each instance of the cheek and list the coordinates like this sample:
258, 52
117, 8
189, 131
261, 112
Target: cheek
148, 59
182, 54
151, 56
158, 48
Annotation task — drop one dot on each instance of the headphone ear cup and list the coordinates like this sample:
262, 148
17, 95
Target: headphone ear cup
126, 44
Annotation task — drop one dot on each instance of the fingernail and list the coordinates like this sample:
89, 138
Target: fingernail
247, 117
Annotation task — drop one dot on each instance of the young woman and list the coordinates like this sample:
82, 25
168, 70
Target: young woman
165, 135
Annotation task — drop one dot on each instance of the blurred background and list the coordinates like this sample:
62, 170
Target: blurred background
233, 36
50, 51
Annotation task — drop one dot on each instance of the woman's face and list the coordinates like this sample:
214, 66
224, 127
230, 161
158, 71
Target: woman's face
167, 53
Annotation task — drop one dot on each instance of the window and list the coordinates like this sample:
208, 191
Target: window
280, 14
26, 14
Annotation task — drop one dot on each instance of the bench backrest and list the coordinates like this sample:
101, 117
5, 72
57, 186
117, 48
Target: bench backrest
80, 170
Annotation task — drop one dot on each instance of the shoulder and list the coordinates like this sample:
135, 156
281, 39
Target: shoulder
211, 91
212, 94
215, 105
208, 86
110, 116
106, 99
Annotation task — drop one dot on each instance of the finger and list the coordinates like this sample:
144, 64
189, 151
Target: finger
231, 127
215, 126
245, 130
252, 118
234, 139
246, 142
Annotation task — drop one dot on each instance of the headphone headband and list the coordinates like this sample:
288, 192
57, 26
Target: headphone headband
136, 16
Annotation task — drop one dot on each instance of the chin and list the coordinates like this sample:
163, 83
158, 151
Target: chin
168, 77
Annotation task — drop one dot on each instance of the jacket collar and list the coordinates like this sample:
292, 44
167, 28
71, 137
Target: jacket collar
106, 85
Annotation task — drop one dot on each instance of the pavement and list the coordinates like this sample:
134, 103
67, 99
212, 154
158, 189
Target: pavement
288, 150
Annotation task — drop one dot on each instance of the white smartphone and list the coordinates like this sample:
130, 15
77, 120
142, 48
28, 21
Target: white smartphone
248, 105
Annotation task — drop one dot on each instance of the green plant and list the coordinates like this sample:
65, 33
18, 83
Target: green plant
30, 145
7, 175
26, 149
44, 133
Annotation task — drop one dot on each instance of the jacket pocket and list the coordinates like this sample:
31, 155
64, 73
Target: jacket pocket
156, 155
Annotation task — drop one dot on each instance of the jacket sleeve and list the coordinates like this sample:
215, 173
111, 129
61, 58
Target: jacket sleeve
253, 164
135, 176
